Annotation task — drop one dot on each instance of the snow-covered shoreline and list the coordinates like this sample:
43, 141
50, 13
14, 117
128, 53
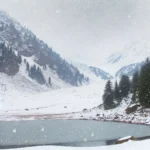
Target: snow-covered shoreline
71, 116
131, 145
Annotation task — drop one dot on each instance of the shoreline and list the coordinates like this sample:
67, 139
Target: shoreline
66, 116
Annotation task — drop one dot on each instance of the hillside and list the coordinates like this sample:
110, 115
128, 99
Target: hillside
38, 54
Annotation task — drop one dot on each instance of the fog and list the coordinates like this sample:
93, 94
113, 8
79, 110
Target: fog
84, 30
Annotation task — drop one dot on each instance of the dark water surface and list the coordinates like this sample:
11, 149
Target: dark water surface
66, 132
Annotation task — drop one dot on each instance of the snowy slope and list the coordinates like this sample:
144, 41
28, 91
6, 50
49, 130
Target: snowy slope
133, 53
95, 74
65, 100
23, 84
26, 44
129, 69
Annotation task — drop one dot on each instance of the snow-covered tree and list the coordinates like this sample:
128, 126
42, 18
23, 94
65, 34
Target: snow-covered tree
108, 99
144, 88
117, 93
124, 86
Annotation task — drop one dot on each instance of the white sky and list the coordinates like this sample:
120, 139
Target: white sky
83, 30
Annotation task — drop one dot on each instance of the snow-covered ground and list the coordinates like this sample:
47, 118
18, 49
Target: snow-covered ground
20, 95
60, 101
142, 145
67, 103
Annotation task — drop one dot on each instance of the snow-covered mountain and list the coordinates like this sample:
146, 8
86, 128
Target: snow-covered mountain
132, 53
129, 59
95, 74
100, 73
37, 56
129, 69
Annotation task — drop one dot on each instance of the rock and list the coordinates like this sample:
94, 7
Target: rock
131, 109
116, 117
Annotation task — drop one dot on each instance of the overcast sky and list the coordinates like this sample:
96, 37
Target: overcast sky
84, 30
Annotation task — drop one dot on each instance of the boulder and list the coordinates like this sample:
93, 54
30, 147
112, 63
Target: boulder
131, 109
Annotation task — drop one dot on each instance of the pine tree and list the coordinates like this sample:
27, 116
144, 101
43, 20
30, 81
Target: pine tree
36, 74
135, 82
38, 68
27, 66
124, 86
144, 88
25, 61
117, 93
147, 60
108, 100
134, 97
135, 86
49, 80
19, 59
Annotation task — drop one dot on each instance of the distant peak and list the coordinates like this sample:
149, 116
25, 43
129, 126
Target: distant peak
137, 50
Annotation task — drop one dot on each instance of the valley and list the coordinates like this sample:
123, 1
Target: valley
51, 86
74, 74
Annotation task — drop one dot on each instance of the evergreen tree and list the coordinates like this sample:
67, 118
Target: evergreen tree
144, 88
147, 60
135, 86
36, 74
19, 59
108, 96
25, 60
117, 93
135, 82
124, 86
49, 80
38, 68
134, 97
27, 66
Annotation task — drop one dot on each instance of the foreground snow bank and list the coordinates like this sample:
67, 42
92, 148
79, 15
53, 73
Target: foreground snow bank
142, 145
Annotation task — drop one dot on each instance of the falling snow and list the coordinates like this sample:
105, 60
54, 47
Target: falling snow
14, 130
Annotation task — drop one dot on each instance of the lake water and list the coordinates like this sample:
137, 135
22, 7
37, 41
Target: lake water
66, 132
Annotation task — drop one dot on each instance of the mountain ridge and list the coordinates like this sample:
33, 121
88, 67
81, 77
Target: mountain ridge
26, 44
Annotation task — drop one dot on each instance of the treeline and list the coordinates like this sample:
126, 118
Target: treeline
36, 73
9, 60
66, 71
139, 87
10, 63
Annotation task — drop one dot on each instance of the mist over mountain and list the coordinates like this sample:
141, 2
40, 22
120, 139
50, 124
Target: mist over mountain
96, 28
23, 54
85, 31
